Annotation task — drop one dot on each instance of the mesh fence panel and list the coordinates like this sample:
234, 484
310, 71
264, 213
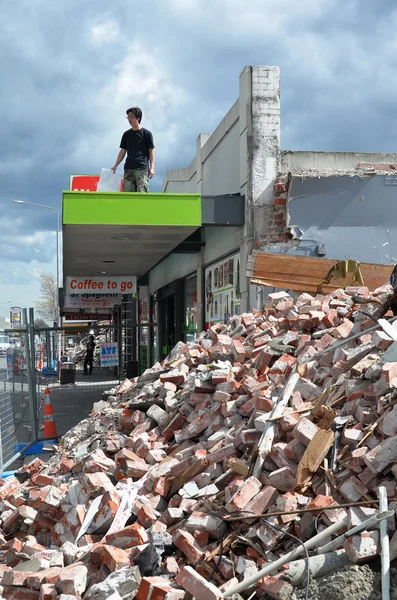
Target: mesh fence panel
14, 413
59, 361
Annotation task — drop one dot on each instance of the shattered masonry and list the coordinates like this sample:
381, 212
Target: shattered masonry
135, 503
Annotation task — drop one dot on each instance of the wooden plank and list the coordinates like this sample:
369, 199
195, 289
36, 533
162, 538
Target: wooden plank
299, 265
287, 284
305, 273
313, 457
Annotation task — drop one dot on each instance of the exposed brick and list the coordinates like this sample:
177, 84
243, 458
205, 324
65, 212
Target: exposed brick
196, 585
304, 431
158, 588
186, 542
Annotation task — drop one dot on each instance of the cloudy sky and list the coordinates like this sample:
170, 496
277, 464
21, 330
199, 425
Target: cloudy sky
70, 68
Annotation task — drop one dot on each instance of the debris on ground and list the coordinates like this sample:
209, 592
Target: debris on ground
290, 412
352, 583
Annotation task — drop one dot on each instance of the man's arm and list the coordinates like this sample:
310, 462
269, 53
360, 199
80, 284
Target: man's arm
151, 159
119, 159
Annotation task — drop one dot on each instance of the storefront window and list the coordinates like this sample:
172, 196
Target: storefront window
222, 290
190, 309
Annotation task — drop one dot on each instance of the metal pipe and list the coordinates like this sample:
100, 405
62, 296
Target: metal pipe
313, 542
33, 414
367, 524
29, 372
249, 581
385, 550
319, 565
300, 511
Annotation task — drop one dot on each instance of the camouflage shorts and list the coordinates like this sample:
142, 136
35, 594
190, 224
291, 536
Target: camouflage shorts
136, 180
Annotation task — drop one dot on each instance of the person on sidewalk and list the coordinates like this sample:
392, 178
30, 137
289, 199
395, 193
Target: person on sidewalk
138, 143
89, 356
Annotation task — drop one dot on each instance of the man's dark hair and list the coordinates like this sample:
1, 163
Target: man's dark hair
136, 111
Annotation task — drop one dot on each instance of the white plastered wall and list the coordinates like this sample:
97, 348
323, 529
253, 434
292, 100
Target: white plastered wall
241, 156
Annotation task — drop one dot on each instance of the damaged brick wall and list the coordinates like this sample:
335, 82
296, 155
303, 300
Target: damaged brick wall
277, 230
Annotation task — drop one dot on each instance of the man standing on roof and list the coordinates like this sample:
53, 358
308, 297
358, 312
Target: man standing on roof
138, 143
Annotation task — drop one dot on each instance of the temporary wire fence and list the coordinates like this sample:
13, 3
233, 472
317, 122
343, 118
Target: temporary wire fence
59, 359
54, 358
7, 424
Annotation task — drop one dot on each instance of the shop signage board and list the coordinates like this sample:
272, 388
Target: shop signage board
87, 316
222, 290
109, 354
92, 300
85, 183
101, 285
15, 315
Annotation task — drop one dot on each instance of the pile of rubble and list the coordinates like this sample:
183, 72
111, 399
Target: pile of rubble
77, 353
289, 412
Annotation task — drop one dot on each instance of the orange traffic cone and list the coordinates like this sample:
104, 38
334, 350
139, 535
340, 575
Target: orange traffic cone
50, 430
40, 365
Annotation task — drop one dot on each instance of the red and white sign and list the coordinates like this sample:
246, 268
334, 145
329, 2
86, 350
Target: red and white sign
86, 183
87, 317
92, 300
101, 285
15, 315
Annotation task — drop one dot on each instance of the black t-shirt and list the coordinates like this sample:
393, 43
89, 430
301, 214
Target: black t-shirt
137, 143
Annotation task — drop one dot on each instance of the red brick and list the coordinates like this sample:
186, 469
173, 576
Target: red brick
114, 558
305, 431
129, 536
42, 480
389, 373
48, 591
156, 588
263, 500
294, 450
201, 538
147, 516
363, 547
320, 501
171, 565
275, 587
187, 544
175, 424
73, 579
343, 330
50, 576
15, 578
238, 351
282, 479
381, 340
331, 319
11, 593
245, 492
196, 585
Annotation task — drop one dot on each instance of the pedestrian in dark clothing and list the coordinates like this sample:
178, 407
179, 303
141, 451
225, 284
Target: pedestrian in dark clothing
89, 356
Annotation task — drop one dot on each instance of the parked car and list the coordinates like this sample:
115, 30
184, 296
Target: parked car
4, 344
